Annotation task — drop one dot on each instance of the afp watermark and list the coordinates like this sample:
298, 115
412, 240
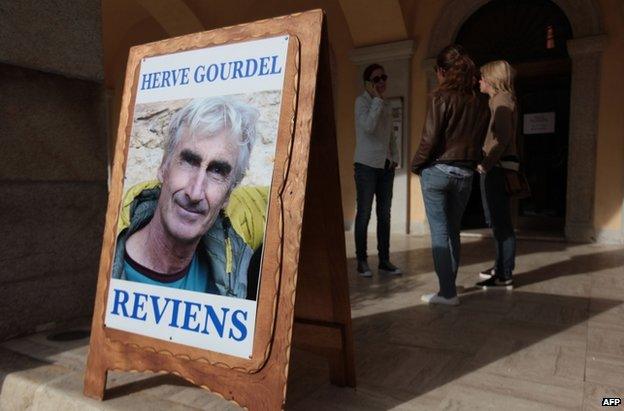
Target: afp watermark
611, 402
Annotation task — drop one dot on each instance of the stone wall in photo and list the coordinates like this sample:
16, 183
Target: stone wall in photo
149, 134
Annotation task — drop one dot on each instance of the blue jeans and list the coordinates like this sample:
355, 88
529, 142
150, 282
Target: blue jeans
445, 195
496, 207
373, 182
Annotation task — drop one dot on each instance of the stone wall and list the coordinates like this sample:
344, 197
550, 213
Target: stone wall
53, 36
52, 197
53, 162
152, 121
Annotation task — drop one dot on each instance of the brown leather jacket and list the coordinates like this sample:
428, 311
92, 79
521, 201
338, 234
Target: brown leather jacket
454, 129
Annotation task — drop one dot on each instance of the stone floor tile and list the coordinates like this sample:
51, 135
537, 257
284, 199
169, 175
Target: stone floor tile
66, 394
554, 342
201, 399
606, 313
550, 310
21, 377
367, 397
483, 390
70, 354
603, 340
408, 368
594, 393
531, 357
605, 369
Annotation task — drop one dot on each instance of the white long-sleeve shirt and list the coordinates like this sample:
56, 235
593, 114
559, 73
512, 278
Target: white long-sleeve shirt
374, 140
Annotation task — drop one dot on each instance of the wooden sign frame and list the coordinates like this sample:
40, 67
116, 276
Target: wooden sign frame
304, 244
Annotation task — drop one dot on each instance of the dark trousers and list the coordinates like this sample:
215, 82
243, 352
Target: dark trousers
497, 209
445, 197
373, 182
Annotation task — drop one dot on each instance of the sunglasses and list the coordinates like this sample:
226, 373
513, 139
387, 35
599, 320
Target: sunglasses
377, 79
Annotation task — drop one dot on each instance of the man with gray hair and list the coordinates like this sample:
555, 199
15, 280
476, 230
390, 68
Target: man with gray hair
179, 235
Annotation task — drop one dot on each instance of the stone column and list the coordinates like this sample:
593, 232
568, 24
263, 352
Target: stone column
428, 66
586, 54
396, 58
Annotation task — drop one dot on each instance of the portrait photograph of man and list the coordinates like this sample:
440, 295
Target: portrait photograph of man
198, 152
178, 234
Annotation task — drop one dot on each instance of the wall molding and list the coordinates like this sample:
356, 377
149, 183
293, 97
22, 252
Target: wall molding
398, 50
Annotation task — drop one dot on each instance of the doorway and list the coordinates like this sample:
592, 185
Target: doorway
532, 36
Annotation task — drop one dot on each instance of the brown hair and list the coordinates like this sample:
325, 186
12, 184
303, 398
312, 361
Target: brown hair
460, 72
369, 70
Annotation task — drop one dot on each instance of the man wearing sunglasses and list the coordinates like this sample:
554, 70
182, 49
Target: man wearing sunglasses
376, 157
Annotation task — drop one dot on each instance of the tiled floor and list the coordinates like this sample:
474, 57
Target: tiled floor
555, 342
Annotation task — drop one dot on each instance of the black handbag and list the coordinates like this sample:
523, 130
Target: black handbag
516, 183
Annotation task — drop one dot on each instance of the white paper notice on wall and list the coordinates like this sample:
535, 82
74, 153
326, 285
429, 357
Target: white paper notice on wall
539, 123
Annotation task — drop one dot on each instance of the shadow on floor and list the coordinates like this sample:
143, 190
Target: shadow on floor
574, 265
417, 265
406, 350
420, 352
409, 353
145, 384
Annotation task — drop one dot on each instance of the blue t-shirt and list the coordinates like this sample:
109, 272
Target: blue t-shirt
194, 278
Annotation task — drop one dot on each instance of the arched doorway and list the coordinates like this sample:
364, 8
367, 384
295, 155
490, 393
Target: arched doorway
585, 52
532, 35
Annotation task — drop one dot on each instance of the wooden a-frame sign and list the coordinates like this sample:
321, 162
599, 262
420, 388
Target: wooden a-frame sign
303, 298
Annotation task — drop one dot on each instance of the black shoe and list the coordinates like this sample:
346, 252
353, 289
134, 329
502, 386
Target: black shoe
495, 282
363, 270
386, 267
488, 273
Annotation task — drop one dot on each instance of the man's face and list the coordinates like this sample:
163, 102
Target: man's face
379, 75
196, 184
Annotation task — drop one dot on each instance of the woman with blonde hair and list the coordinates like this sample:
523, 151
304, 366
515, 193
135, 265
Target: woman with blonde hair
499, 153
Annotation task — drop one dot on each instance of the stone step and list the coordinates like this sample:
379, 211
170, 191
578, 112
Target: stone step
39, 374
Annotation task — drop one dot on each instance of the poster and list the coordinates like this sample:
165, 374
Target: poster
199, 167
539, 123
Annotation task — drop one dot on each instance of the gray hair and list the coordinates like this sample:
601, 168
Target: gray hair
211, 116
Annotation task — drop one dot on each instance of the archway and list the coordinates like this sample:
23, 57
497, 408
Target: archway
585, 51
532, 36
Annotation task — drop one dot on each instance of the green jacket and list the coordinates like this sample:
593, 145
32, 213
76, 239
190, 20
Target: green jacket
213, 242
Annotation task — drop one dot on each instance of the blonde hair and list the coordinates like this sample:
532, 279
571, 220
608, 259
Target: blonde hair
500, 75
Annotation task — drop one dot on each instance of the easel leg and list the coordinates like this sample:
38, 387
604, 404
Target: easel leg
337, 370
332, 341
341, 366
95, 378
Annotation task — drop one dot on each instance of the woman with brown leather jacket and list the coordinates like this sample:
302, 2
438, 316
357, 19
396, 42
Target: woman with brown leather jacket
449, 151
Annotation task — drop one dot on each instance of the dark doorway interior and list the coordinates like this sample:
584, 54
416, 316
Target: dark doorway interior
532, 36
545, 89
